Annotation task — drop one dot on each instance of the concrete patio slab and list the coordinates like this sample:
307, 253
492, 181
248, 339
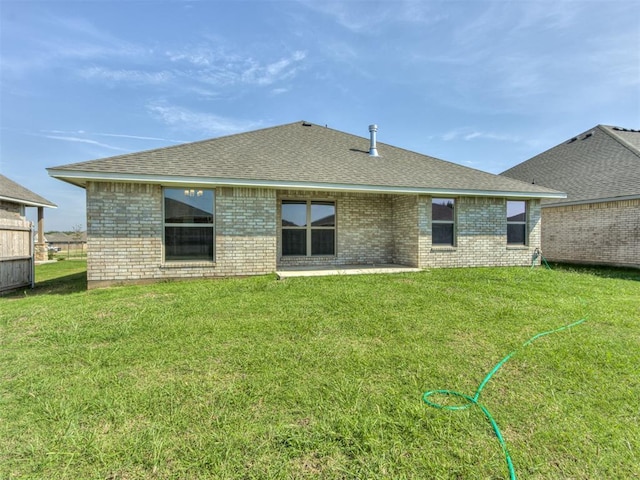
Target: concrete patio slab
289, 272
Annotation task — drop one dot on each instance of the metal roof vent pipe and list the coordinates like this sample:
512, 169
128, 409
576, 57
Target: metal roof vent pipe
373, 151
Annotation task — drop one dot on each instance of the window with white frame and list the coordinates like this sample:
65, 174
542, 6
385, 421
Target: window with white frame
443, 221
516, 222
188, 224
308, 227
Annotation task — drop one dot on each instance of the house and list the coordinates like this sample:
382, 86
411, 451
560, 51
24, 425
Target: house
58, 241
17, 249
599, 220
296, 195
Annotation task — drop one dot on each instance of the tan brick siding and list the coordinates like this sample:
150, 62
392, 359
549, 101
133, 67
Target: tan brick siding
125, 233
481, 225
605, 233
364, 229
405, 230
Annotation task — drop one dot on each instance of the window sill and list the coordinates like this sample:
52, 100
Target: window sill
284, 257
183, 264
443, 248
517, 247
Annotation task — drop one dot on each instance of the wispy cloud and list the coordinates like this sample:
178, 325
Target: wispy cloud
68, 40
217, 66
126, 76
369, 17
192, 121
85, 140
113, 135
276, 71
468, 134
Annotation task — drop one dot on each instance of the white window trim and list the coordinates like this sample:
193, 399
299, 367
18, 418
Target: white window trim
525, 222
453, 222
187, 262
308, 227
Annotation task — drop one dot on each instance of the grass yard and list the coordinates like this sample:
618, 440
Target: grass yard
321, 377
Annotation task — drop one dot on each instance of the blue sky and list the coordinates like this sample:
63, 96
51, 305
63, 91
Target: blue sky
486, 84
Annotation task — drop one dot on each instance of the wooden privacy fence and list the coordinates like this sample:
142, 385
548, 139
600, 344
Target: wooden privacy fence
16, 253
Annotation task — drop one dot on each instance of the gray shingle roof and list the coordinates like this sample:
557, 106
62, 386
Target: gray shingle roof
601, 163
13, 192
296, 155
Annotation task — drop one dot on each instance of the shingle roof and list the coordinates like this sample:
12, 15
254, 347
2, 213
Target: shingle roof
599, 164
297, 155
13, 192
62, 237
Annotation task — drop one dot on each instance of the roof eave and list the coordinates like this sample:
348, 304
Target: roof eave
592, 200
80, 178
27, 203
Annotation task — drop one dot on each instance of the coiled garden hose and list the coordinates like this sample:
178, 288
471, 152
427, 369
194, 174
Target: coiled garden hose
473, 401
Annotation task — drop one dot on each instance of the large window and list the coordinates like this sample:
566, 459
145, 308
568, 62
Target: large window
443, 221
516, 222
188, 224
308, 227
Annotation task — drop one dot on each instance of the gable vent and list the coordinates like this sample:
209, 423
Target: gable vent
588, 135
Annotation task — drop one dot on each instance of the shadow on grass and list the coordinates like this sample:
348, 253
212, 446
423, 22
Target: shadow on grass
64, 285
619, 273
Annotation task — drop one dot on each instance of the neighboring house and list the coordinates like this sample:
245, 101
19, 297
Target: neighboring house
65, 241
17, 249
295, 195
599, 221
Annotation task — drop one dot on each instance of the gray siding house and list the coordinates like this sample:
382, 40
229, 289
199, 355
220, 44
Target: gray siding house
599, 220
296, 196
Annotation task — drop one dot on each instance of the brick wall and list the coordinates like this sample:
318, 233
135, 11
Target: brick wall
124, 232
405, 230
364, 229
125, 235
481, 225
600, 233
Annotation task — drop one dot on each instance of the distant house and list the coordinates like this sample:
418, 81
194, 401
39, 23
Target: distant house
599, 221
17, 249
62, 240
296, 195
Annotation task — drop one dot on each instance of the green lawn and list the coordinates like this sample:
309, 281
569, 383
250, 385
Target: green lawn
321, 377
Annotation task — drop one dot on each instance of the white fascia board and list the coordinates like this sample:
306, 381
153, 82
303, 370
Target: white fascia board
27, 203
80, 178
592, 200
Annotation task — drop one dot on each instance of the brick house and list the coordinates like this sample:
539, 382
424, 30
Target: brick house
599, 220
17, 248
296, 195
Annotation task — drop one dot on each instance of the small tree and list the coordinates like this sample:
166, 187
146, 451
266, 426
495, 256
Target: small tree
76, 234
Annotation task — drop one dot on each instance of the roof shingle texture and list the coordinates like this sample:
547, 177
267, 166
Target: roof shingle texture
301, 152
601, 163
19, 194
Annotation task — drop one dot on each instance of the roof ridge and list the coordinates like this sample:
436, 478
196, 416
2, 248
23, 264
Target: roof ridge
178, 145
619, 139
581, 135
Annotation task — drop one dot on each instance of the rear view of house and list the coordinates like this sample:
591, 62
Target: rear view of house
599, 221
296, 195
17, 249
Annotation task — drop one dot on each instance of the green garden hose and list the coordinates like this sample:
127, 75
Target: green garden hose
471, 401
537, 253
